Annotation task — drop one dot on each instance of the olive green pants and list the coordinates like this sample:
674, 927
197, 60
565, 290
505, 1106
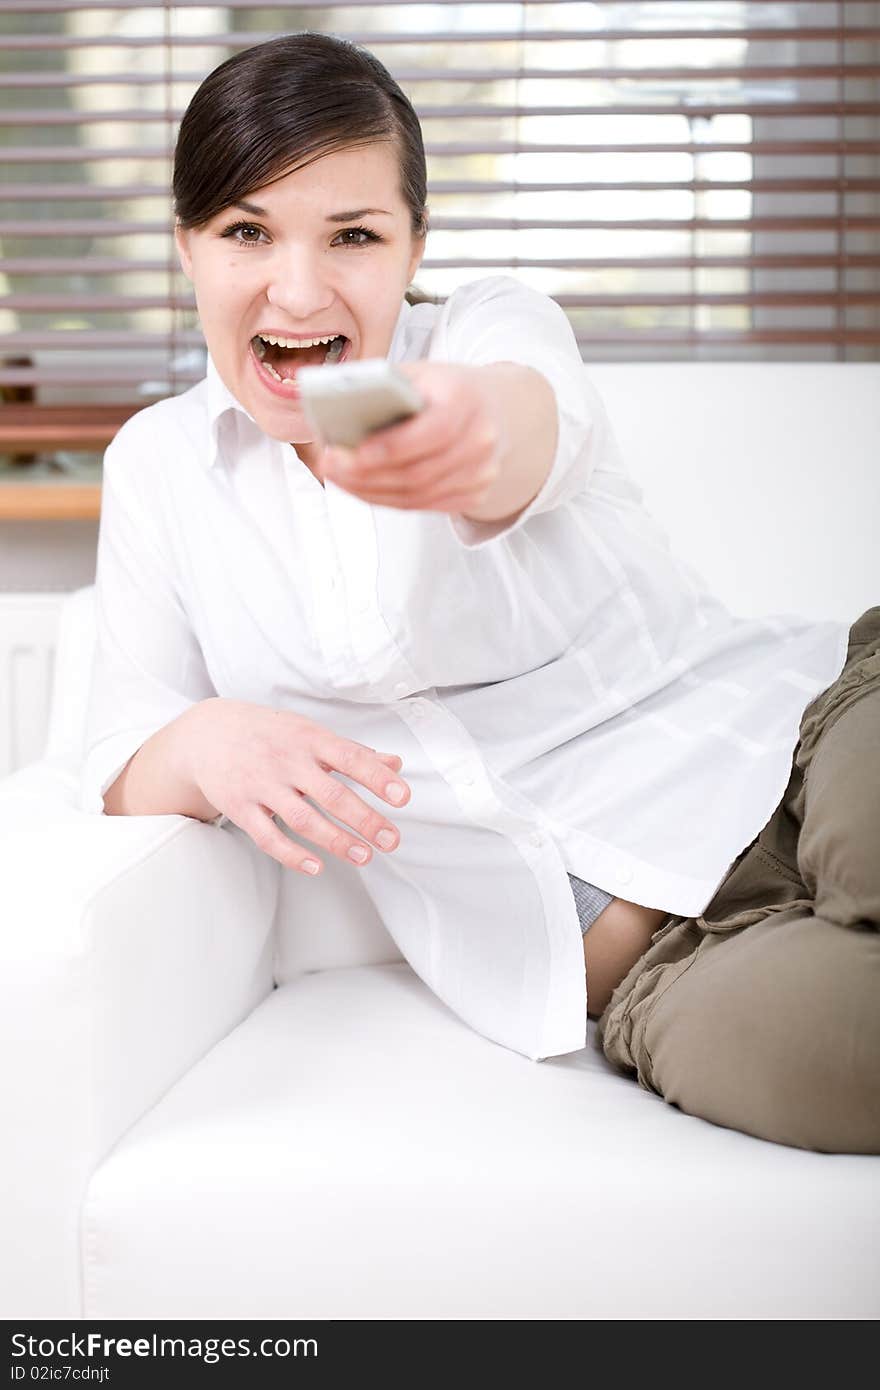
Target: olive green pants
763, 1015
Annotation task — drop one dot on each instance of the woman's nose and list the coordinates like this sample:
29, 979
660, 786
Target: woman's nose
297, 285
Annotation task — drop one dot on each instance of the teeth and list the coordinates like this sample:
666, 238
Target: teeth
285, 380
293, 343
333, 353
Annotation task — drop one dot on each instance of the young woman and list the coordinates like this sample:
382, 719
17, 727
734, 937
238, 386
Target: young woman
565, 741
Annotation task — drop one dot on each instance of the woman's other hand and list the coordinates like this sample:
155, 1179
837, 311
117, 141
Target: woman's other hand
252, 761
443, 459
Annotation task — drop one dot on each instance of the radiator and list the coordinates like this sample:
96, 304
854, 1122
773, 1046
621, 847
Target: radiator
28, 634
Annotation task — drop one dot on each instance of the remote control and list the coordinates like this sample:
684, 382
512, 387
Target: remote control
347, 401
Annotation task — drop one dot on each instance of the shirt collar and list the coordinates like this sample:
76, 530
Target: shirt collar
220, 400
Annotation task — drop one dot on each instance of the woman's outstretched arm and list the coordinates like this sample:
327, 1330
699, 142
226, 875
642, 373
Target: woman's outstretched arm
483, 445
522, 400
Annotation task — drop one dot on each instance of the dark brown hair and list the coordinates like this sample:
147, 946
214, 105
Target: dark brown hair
280, 105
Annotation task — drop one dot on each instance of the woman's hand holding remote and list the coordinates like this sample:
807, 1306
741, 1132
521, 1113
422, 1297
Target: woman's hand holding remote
445, 458
252, 761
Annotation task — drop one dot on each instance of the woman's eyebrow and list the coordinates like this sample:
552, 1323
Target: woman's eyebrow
356, 212
333, 217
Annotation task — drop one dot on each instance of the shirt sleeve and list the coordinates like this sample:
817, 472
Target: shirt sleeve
499, 319
148, 665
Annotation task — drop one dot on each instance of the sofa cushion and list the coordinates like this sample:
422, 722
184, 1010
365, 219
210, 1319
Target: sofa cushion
352, 1150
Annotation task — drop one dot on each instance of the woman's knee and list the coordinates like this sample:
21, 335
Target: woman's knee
776, 1032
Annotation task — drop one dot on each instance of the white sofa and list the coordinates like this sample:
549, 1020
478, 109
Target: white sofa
228, 1096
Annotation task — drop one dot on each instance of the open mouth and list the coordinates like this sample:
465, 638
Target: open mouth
282, 361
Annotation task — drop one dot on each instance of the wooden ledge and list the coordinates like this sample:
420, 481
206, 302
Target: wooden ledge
42, 429
50, 501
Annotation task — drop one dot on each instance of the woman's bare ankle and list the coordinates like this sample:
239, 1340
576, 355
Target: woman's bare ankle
619, 936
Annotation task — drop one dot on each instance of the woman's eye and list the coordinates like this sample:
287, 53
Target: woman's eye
245, 233
360, 232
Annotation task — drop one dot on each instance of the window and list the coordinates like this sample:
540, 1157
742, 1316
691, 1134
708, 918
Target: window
688, 178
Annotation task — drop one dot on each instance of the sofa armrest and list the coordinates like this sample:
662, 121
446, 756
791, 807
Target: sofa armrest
129, 946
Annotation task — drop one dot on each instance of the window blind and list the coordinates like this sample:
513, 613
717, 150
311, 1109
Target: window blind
698, 179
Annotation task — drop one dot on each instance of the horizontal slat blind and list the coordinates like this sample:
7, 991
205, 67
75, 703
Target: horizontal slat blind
697, 178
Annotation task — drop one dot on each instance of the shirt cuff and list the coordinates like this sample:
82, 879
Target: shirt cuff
106, 761
103, 765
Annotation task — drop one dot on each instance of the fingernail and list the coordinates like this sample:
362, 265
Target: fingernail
311, 866
395, 792
359, 854
385, 839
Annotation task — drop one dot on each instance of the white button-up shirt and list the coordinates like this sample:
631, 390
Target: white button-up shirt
565, 694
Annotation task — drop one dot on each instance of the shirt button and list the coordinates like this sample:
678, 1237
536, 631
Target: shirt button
400, 689
466, 781
537, 839
625, 875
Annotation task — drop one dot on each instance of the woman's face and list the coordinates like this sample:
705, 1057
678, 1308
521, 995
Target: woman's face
300, 259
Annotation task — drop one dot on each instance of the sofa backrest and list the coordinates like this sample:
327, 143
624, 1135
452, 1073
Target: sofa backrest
766, 479
766, 476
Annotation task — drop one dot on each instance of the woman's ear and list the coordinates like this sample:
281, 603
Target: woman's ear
181, 240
